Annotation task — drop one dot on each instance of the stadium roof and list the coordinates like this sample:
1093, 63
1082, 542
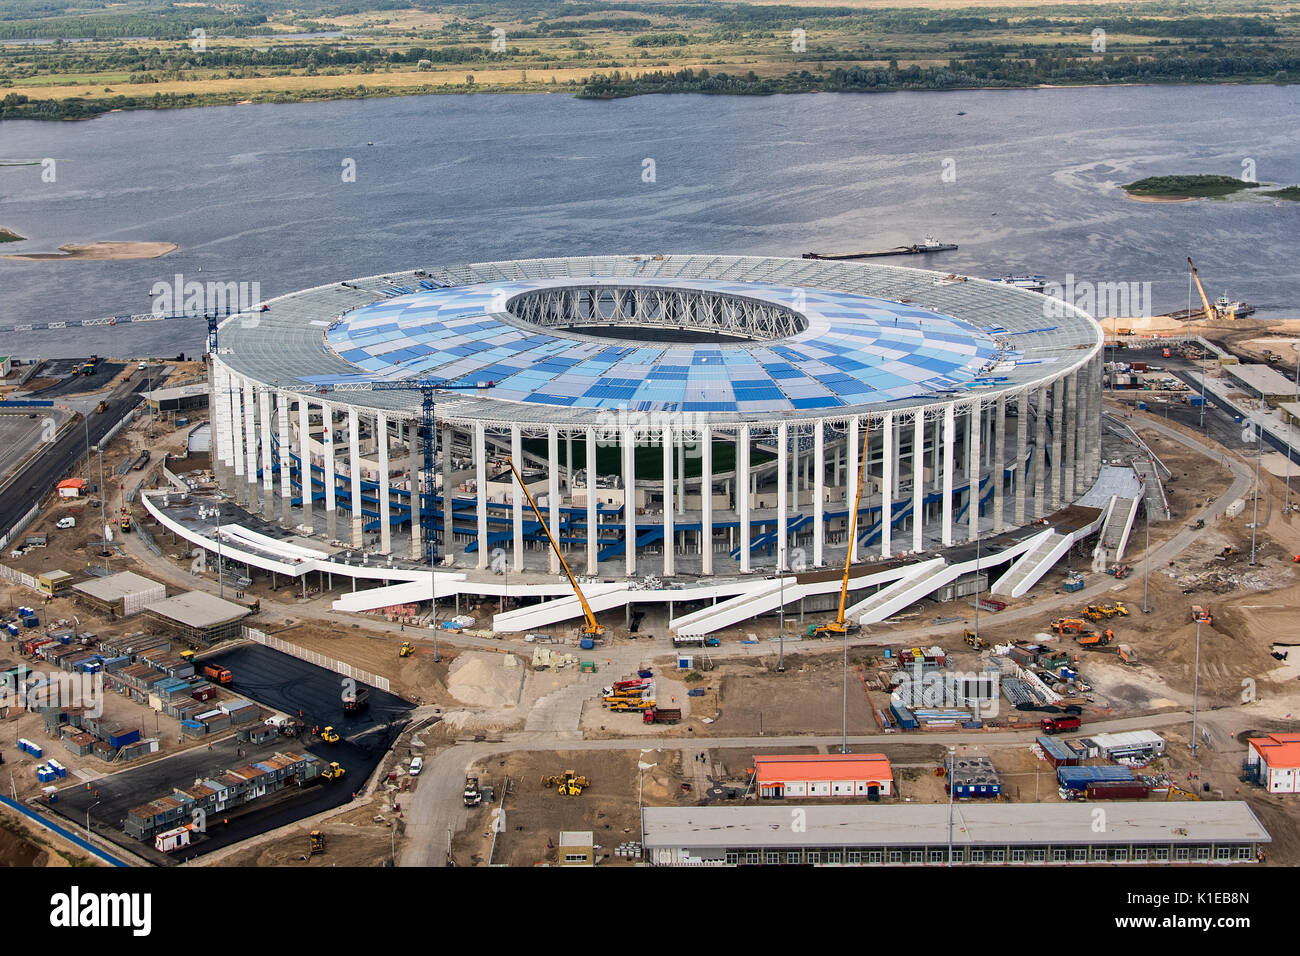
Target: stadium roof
855, 349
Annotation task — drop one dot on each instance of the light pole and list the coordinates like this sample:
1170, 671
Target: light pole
88, 809
1259, 455
780, 659
1286, 506
1146, 554
1196, 685
952, 789
844, 742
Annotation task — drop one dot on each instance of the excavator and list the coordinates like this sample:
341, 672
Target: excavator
1069, 625
590, 627
1211, 313
839, 626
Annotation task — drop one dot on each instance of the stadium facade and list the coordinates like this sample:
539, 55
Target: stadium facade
724, 402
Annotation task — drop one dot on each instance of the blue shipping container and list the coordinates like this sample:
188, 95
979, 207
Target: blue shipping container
1078, 778
587, 644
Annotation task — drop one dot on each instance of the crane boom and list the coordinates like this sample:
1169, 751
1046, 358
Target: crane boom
591, 627
1209, 311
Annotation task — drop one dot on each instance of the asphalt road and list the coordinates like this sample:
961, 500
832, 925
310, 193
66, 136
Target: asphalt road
56, 462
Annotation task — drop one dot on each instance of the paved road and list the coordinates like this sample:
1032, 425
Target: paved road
39, 476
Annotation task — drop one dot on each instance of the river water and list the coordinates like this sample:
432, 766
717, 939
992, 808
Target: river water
1025, 181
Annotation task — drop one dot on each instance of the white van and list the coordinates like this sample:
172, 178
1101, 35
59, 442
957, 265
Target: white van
66, 522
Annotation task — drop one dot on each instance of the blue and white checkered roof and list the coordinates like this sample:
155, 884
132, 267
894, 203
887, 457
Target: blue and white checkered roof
856, 349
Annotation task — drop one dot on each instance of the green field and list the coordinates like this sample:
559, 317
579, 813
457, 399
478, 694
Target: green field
153, 54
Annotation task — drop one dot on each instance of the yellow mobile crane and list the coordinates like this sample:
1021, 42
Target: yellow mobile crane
839, 625
1211, 313
591, 628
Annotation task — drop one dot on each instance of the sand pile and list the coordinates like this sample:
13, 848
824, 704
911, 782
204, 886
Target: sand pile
460, 723
482, 680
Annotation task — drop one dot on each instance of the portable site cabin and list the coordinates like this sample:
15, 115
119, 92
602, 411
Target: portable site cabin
54, 583
72, 488
170, 840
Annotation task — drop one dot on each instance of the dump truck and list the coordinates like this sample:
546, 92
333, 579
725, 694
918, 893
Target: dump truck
661, 715
1126, 654
218, 674
1096, 638
356, 701
1058, 725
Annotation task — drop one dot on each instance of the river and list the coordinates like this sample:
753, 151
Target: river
258, 193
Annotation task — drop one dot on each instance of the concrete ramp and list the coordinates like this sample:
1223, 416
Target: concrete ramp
1046, 549
917, 581
601, 597
1119, 525
405, 592
765, 596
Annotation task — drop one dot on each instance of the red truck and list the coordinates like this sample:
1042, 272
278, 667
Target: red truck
661, 715
1056, 725
218, 674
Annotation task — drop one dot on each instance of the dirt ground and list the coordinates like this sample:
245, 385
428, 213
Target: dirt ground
807, 698
24, 844
535, 815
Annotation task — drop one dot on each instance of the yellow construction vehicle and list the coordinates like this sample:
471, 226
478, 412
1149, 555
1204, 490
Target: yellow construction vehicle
406, 650
1068, 625
333, 772
329, 735
629, 704
569, 781
839, 626
568, 789
975, 641
590, 628
1098, 612
317, 843
1178, 793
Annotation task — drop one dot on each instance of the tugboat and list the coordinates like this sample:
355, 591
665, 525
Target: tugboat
1226, 308
932, 244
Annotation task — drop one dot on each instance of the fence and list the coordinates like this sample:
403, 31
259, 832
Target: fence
320, 660
19, 578
21, 526
127, 419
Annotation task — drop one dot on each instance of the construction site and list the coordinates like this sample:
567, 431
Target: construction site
1127, 644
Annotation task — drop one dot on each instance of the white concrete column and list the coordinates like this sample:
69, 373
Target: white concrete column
887, 457
629, 501
680, 439
481, 496
268, 478
285, 458
517, 499
354, 474
1058, 427
1040, 455
568, 464
331, 475
999, 463
782, 492
1022, 457
918, 481
668, 448
553, 491
414, 458
976, 429
448, 495
949, 440
250, 442
1069, 454
219, 404
593, 516
385, 505
819, 494
706, 500
742, 493
235, 399
304, 455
